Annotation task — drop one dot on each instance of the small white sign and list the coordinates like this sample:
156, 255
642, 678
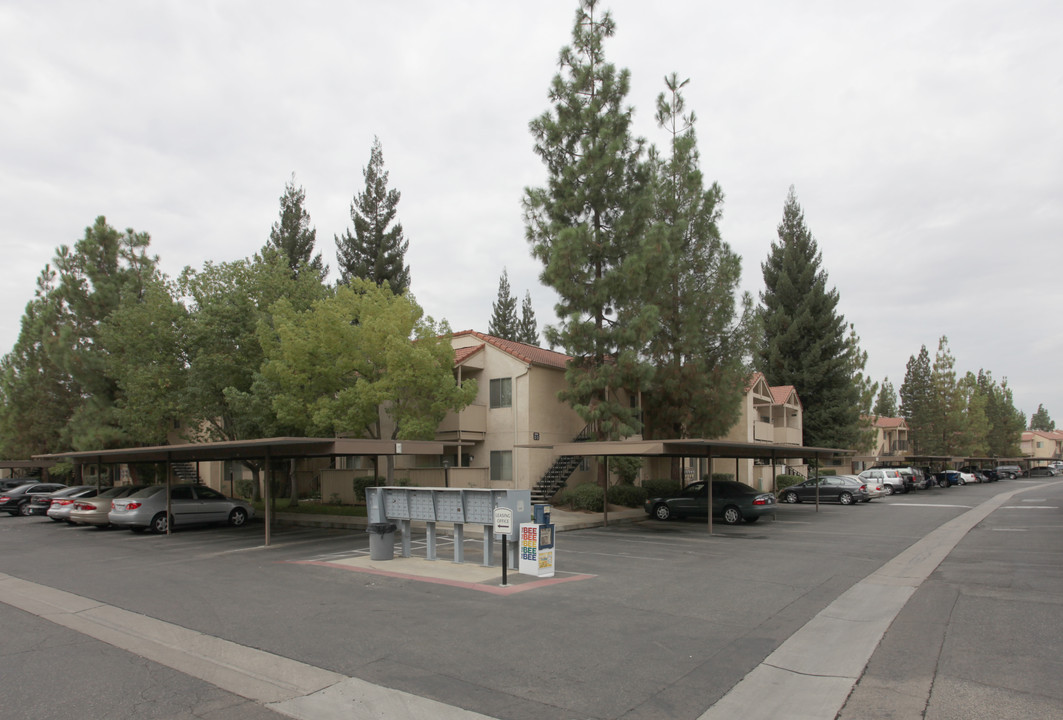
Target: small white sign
503, 521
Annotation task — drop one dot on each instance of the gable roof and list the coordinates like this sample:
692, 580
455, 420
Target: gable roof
463, 354
781, 393
889, 422
530, 354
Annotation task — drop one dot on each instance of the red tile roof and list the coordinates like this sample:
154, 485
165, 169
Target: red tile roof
463, 354
781, 393
527, 353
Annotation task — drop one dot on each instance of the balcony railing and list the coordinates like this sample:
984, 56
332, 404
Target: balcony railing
473, 419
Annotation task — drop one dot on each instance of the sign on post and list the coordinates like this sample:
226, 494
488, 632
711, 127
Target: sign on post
503, 521
503, 527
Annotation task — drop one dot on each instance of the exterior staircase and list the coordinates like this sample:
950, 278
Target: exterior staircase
185, 472
555, 478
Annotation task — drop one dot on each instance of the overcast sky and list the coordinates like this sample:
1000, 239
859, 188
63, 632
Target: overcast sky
924, 140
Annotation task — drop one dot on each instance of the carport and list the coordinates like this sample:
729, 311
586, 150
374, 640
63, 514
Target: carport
698, 449
265, 450
41, 465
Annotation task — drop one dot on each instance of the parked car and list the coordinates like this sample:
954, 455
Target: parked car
732, 501
60, 502
845, 489
16, 501
94, 510
8, 483
189, 504
1041, 471
891, 478
41, 503
1009, 471
990, 474
947, 478
875, 486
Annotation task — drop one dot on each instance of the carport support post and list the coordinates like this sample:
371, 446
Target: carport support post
169, 513
489, 545
605, 495
266, 493
430, 535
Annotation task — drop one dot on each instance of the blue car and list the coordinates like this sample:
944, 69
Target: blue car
948, 478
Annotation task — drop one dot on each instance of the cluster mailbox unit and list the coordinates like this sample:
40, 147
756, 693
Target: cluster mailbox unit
459, 506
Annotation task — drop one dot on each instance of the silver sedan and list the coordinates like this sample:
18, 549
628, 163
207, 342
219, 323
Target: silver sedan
189, 505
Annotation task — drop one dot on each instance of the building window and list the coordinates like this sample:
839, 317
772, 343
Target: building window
502, 392
501, 465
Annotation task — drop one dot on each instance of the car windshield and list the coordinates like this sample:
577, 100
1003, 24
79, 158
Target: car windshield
148, 491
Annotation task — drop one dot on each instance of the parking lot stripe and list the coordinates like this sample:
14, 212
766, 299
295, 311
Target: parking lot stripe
284, 685
810, 675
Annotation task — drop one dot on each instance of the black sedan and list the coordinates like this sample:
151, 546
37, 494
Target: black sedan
844, 489
16, 501
732, 502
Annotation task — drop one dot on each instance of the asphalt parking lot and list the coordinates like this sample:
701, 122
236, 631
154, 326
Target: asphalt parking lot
664, 621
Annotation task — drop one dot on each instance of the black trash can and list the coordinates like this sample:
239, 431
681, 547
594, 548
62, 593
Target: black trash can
381, 541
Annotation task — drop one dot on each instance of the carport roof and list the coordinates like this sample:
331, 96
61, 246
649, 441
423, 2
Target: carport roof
697, 448
284, 447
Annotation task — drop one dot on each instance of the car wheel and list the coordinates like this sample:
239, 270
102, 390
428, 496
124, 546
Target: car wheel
24, 509
732, 515
962, 481
845, 498
889, 490
159, 524
662, 512
237, 517
791, 497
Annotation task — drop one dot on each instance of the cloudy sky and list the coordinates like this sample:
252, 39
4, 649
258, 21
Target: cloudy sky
923, 139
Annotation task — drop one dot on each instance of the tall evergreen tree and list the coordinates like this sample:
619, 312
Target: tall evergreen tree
886, 402
916, 398
974, 435
292, 234
504, 321
699, 348
94, 276
947, 404
1005, 422
587, 226
527, 328
804, 340
377, 250
1041, 420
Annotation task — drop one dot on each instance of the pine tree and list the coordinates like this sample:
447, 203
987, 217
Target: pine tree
697, 352
527, 328
587, 226
916, 399
804, 341
1006, 423
292, 234
1040, 420
947, 404
377, 249
503, 323
886, 402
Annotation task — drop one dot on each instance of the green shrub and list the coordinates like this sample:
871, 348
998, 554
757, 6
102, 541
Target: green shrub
784, 481
361, 483
722, 477
660, 487
588, 496
627, 495
827, 471
245, 487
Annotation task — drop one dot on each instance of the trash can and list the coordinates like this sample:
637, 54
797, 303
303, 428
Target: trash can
381, 541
